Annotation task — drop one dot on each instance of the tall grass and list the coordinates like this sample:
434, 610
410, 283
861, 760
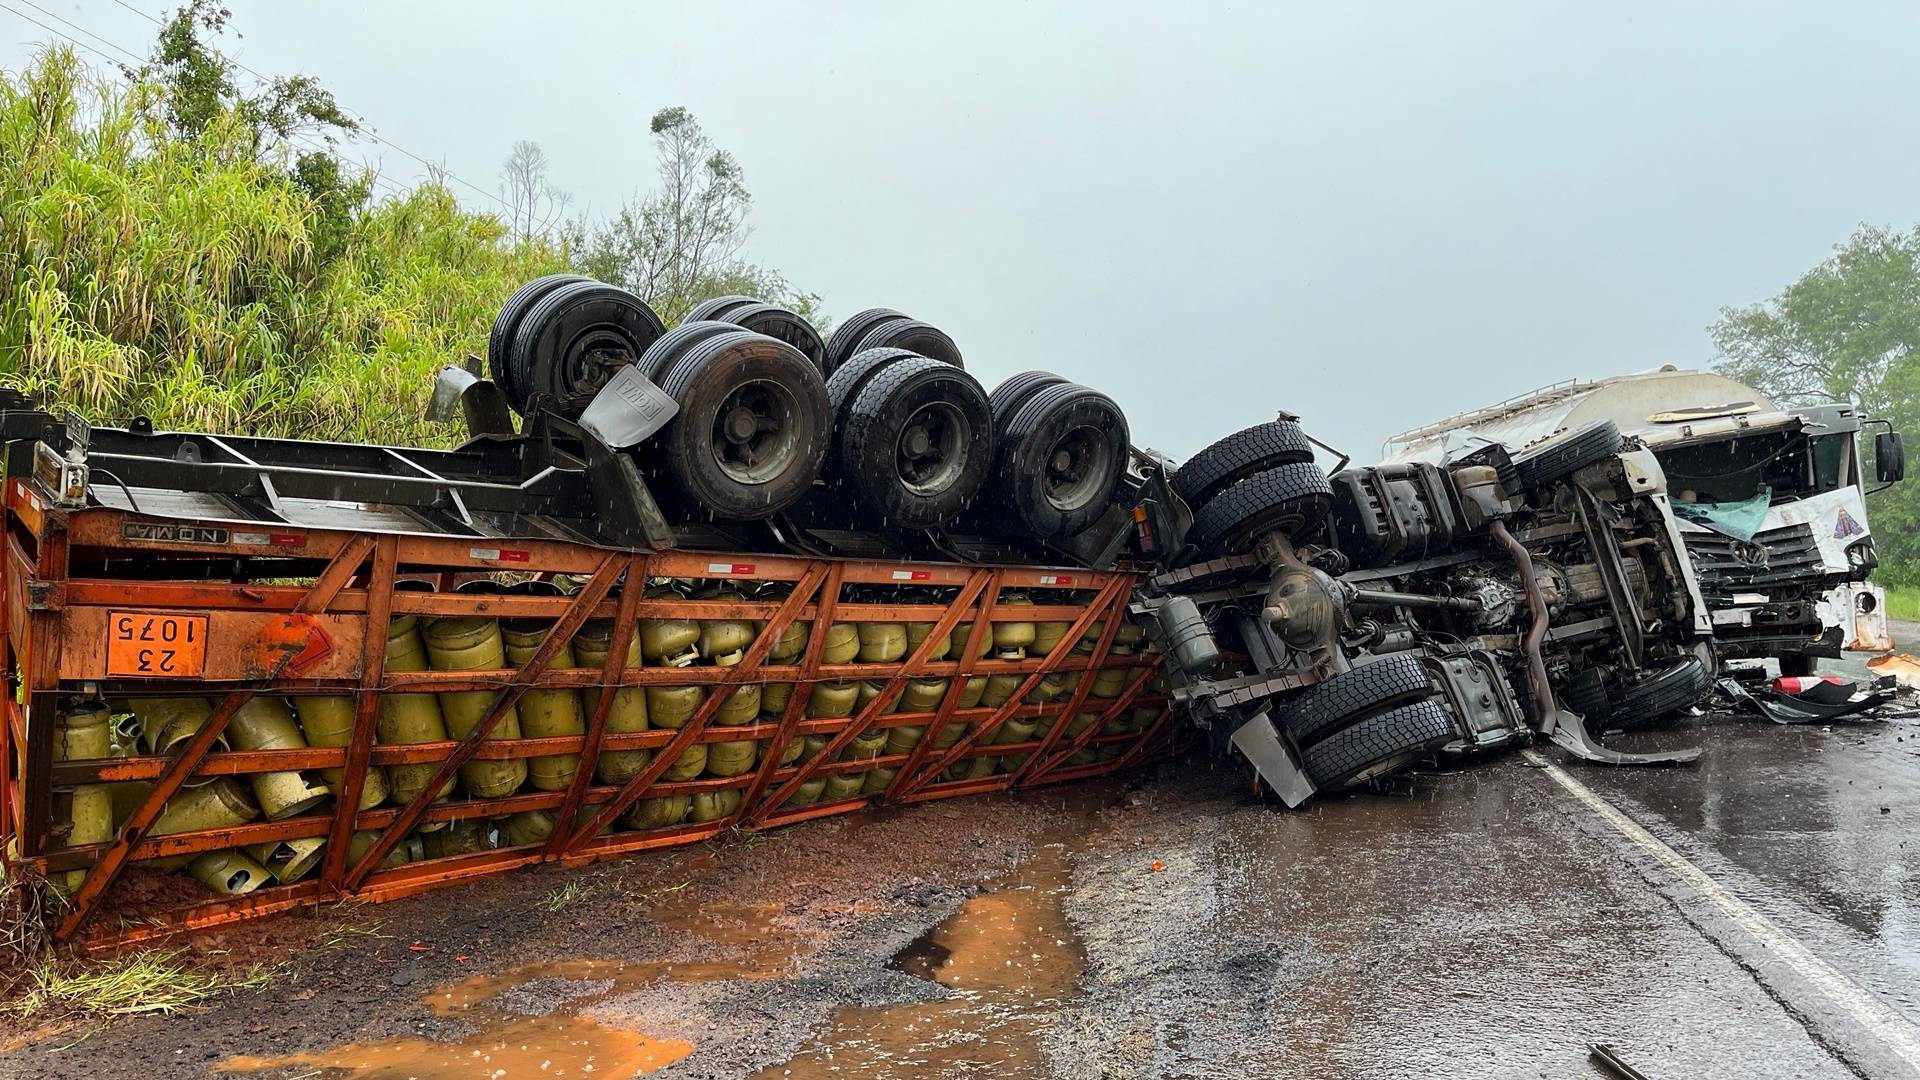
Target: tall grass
144, 273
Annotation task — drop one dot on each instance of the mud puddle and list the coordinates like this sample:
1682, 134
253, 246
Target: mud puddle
535, 1020
1010, 959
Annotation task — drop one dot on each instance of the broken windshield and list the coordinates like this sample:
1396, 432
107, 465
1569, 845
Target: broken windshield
1788, 465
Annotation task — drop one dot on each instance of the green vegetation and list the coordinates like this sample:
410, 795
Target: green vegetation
179, 245
1847, 330
1903, 602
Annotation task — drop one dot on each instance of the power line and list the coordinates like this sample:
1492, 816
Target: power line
80, 28
366, 128
64, 37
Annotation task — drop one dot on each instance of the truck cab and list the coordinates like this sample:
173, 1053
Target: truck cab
1771, 500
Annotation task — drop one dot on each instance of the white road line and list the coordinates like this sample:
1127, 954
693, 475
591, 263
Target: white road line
1899, 1034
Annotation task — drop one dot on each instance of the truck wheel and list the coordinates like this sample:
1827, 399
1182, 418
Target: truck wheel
573, 340
500, 339
1354, 695
674, 344
911, 334
1534, 469
752, 431
1658, 694
782, 325
851, 377
715, 309
1379, 745
845, 339
1060, 458
1238, 456
1015, 390
1290, 499
918, 442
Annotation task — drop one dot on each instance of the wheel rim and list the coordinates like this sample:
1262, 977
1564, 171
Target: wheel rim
592, 358
1074, 468
753, 436
931, 452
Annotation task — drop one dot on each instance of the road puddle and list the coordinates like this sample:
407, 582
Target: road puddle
1011, 959
529, 1020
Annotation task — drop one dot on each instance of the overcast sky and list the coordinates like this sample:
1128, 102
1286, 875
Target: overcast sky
1371, 215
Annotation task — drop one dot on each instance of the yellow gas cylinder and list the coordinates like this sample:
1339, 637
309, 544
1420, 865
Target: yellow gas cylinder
865, 746
1000, 689
406, 719
865, 691
731, 758
673, 706
409, 849
168, 722
1013, 731
877, 779
842, 644
1141, 717
774, 698
527, 827
229, 873
950, 734
289, 860
1047, 637
472, 643
1050, 687
919, 632
922, 695
463, 837
218, 804
790, 752
793, 640
971, 693
740, 707
963, 632
808, 792
1129, 634
1091, 638
714, 805
843, 785
627, 714
658, 813
978, 768
1110, 682
902, 740
85, 731
327, 720
811, 745
724, 641
691, 763
1010, 639
545, 713
265, 723
669, 642
1083, 756
882, 642
831, 699
85, 816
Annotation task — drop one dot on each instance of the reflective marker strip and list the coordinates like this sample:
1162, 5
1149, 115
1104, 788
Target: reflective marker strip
1055, 579
729, 568
499, 554
1896, 1032
913, 575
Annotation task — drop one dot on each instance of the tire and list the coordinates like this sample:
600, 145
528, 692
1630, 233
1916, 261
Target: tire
1537, 468
1586, 694
1015, 390
716, 309
844, 342
927, 340
1659, 694
572, 340
847, 380
935, 478
1240, 455
674, 344
1354, 695
782, 325
746, 473
1379, 745
1061, 456
1293, 499
500, 339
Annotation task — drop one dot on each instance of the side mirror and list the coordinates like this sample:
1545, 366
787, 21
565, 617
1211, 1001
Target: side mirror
1889, 457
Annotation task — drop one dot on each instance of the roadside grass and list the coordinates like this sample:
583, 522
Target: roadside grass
164, 981
1903, 603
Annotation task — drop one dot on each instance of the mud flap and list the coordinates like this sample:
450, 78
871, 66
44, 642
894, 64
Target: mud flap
1260, 743
480, 401
1570, 733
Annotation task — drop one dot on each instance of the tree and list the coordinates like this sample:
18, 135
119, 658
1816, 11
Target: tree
683, 242
1847, 330
534, 205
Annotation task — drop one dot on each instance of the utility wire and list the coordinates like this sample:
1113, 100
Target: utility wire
366, 128
81, 29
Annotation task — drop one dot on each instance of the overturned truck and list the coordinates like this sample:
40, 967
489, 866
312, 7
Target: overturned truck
1333, 630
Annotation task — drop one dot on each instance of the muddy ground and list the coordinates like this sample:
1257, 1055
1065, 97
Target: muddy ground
1476, 922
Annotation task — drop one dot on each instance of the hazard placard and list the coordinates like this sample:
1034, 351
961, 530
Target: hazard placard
147, 644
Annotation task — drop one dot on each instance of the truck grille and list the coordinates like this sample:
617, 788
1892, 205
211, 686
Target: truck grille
1775, 556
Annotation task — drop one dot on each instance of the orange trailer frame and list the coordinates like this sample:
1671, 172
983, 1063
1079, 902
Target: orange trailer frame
326, 634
